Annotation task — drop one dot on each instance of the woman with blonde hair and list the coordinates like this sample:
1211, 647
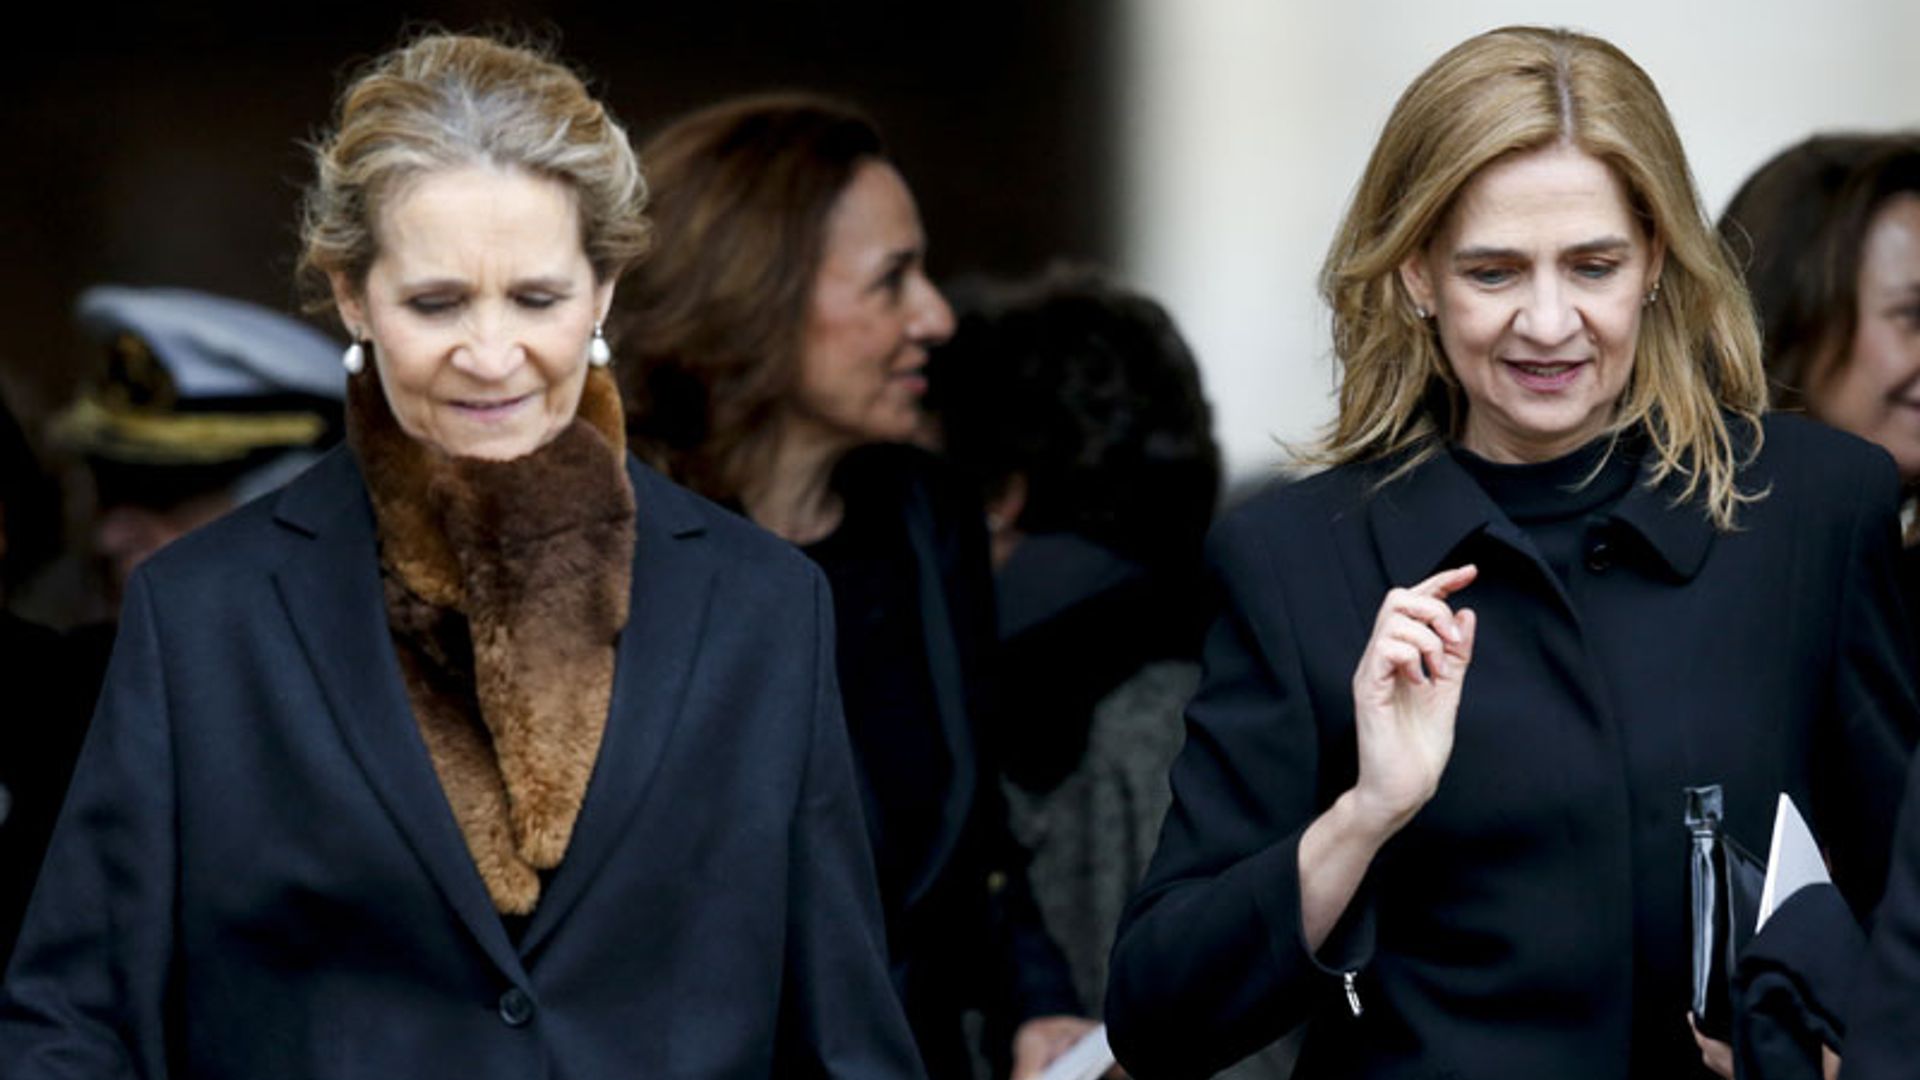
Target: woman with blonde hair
480, 749
1560, 568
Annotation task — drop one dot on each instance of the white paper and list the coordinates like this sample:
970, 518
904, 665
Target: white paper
1088, 1059
1793, 861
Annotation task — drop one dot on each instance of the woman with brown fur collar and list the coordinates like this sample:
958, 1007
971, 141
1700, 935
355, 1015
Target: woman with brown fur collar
432, 763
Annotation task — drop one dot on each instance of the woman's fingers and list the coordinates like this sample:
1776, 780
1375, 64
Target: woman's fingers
1426, 602
1405, 603
1401, 658
1425, 640
1415, 652
1447, 582
1469, 623
1417, 637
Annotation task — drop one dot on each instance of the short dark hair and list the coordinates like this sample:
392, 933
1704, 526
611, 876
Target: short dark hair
1796, 229
1089, 392
713, 320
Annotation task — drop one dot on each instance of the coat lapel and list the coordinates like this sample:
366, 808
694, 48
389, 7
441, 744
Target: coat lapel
1421, 518
949, 693
331, 589
668, 614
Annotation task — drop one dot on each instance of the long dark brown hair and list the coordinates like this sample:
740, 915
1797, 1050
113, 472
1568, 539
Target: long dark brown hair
712, 322
1796, 227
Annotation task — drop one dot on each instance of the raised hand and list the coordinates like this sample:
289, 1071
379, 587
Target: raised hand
1406, 695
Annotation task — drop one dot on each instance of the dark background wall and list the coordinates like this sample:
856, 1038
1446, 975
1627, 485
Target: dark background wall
154, 148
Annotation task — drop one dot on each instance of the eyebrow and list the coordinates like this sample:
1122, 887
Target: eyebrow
548, 282
1605, 245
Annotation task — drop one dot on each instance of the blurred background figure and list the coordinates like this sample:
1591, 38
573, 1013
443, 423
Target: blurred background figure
778, 337
48, 680
1076, 410
204, 403
1828, 233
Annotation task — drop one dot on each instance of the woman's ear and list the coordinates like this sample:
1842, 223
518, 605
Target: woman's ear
347, 300
1414, 278
602, 301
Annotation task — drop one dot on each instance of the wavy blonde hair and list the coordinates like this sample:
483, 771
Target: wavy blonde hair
1697, 369
446, 101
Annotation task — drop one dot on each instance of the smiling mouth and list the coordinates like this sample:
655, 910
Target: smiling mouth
490, 409
1545, 374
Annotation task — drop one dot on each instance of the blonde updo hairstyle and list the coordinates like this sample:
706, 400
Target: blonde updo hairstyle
449, 101
1506, 92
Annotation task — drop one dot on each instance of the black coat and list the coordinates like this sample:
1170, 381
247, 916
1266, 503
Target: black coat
965, 932
1532, 919
1883, 1016
257, 873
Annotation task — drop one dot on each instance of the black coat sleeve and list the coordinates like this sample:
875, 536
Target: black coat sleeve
1883, 1019
1211, 963
1863, 745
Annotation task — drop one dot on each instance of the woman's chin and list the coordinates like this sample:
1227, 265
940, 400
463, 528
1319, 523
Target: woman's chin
502, 444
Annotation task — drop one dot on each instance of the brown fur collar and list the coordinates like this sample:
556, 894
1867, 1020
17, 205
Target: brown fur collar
506, 583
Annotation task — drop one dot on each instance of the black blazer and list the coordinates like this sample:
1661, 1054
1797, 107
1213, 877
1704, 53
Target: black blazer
966, 934
1531, 920
257, 874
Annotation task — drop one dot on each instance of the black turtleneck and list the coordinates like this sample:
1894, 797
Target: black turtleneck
1556, 502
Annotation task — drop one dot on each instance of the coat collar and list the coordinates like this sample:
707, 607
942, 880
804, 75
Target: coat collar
1421, 519
332, 591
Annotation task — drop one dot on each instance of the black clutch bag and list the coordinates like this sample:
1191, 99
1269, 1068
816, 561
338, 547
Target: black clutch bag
1726, 882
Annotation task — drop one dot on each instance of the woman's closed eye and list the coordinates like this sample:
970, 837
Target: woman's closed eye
431, 304
537, 301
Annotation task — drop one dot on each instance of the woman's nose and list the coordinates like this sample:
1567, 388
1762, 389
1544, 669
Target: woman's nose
932, 317
491, 351
1547, 315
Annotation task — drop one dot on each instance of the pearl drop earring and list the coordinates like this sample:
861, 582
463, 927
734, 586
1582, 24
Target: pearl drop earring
599, 353
354, 359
